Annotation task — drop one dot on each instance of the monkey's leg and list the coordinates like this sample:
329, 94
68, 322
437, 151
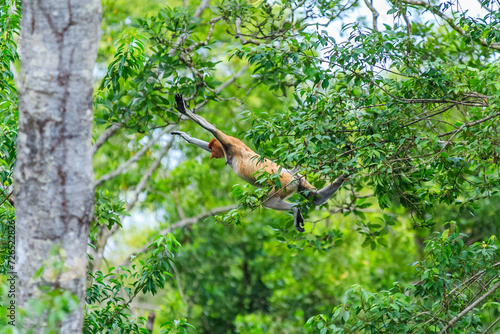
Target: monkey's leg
277, 203
181, 107
325, 193
191, 140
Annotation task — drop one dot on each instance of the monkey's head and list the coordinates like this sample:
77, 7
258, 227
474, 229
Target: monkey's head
216, 147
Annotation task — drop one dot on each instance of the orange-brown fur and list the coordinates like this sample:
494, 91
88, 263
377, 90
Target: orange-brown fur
247, 165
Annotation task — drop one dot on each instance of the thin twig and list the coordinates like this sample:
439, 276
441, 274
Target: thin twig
144, 179
133, 159
212, 23
179, 284
7, 199
109, 132
182, 38
240, 36
469, 308
450, 21
181, 224
445, 109
492, 325
471, 124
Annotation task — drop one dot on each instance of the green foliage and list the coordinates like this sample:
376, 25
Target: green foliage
138, 81
242, 277
10, 17
108, 211
50, 309
409, 111
406, 113
176, 327
10, 13
107, 309
452, 278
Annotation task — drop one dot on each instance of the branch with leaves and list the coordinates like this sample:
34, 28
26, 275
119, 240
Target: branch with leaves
183, 223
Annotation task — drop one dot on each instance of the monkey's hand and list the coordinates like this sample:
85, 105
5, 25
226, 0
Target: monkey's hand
184, 135
179, 133
180, 104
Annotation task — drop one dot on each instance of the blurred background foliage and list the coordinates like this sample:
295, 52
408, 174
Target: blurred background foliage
401, 95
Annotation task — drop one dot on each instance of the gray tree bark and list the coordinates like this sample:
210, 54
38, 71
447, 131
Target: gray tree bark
53, 176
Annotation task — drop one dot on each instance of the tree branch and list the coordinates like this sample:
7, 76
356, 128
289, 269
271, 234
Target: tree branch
107, 134
492, 325
207, 39
218, 89
445, 109
182, 38
450, 21
203, 5
144, 179
471, 124
133, 159
181, 224
8, 198
374, 14
240, 36
469, 308
232, 79
104, 232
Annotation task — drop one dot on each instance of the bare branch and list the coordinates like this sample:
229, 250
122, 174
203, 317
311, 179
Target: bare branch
109, 132
144, 179
490, 327
471, 124
104, 232
203, 5
445, 109
8, 198
472, 279
469, 308
207, 39
232, 79
218, 89
133, 159
182, 224
374, 13
240, 36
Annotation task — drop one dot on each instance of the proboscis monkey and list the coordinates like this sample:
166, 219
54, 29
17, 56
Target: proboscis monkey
247, 165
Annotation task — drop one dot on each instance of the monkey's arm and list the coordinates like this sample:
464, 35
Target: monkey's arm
191, 140
222, 137
325, 193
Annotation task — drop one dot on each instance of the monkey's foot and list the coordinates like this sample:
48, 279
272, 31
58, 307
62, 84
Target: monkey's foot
180, 103
298, 221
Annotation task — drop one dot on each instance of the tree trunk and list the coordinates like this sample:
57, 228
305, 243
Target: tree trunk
53, 175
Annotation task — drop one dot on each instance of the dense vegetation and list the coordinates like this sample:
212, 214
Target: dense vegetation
408, 107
